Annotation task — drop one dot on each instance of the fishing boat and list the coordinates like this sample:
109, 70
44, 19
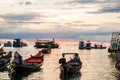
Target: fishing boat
31, 64
46, 44
96, 46
88, 45
46, 50
81, 44
18, 43
5, 58
8, 44
115, 43
70, 67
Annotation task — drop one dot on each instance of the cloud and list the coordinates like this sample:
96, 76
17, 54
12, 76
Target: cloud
83, 2
64, 35
94, 6
22, 19
111, 9
60, 34
88, 1
42, 26
18, 17
25, 3
92, 1
12, 22
101, 33
53, 20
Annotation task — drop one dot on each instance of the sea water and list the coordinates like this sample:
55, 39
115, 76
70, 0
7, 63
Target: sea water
96, 64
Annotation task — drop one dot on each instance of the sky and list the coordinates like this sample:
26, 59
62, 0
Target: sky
71, 20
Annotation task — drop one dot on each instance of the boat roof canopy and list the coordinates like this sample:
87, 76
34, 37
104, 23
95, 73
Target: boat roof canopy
63, 54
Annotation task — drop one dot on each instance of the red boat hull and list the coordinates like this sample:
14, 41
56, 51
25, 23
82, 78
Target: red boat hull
31, 64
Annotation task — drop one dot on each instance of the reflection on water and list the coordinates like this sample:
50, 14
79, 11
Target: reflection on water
114, 73
96, 64
14, 76
76, 76
17, 77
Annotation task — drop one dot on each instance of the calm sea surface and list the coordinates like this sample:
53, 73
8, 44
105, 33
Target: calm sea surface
96, 64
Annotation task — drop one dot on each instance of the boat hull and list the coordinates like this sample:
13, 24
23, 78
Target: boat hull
46, 51
70, 69
70, 77
39, 46
20, 70
81, 48
31, 64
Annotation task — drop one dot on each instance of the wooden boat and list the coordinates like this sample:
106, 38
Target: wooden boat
46, 44
115, 42
5, 59
17, 43
31, 64
46, 50
81, 44
70, 67
8, 44
88, 45
98, 46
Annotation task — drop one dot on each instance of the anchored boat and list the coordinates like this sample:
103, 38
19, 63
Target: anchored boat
32, 64
70, 67
8, 44
46, 44
115, 43
19, 43
88, 45
46, 50
81, 44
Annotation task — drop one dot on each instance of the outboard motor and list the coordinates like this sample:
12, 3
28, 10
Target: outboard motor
62, 61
